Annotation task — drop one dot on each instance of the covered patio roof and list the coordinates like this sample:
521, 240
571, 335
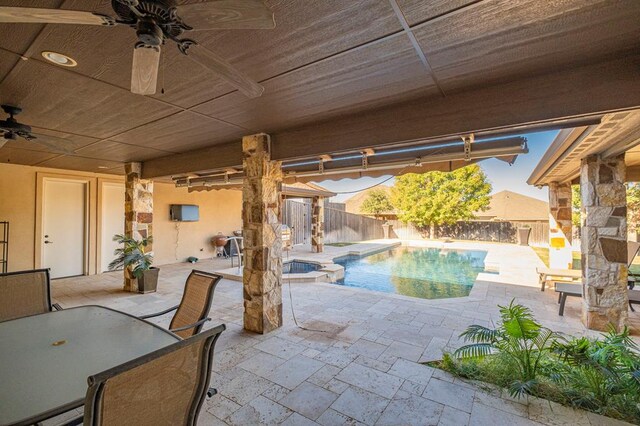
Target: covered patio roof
339, 78
617, 133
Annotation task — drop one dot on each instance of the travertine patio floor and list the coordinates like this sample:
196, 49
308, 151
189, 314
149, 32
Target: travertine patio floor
354, 360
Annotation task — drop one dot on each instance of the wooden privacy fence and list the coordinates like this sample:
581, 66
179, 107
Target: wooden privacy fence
503, 232
297, 215
342, 227
339, 226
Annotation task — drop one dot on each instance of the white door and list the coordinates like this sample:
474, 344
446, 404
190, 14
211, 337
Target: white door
112, 220
64, 222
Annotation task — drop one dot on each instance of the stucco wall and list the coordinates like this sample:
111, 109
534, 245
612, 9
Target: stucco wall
18, 206
220, 211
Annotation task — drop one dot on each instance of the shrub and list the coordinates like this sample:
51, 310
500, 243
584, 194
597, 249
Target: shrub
601, 375
519, 337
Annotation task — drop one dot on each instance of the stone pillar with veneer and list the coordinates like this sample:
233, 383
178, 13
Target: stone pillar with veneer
604, 242
560, 226
317, 224
261, 218
138, 211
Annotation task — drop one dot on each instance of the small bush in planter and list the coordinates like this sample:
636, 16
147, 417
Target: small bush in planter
131, 255
601, 375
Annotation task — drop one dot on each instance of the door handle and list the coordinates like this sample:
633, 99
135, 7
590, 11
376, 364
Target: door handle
48, 242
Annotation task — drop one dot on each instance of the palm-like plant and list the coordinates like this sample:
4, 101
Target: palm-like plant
519, 337
131, 255
597, 372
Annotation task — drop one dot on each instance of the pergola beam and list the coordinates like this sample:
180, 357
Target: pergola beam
563, 94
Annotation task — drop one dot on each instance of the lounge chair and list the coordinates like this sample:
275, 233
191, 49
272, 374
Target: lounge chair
565, 290
165, 387
548, 274
571, 275
25, 293
193, 310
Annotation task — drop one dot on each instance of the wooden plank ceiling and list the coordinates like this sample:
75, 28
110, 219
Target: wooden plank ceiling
325, 59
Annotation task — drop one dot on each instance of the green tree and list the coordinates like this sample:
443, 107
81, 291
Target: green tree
633, 206
376, 203
575, 205
436, 198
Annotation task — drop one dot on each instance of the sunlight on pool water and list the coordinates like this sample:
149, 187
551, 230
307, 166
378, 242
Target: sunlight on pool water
427, 273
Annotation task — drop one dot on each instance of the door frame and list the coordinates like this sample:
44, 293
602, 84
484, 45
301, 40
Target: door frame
89, 262
101, 184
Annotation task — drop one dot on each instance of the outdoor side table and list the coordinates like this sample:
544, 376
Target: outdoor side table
45, 359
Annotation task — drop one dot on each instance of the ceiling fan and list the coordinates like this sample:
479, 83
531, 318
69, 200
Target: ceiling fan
157, 21
11, 130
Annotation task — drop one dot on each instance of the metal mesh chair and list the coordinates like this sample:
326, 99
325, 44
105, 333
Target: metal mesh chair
25, 293
193, 310
165, 387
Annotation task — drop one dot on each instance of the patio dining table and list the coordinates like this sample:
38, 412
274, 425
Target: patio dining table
45, 359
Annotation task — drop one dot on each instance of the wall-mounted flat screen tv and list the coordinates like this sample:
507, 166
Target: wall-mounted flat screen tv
184, 213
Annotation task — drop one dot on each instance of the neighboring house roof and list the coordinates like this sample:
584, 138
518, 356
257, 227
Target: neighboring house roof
354, 203
508, 205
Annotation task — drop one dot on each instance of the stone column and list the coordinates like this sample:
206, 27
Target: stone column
604, 242
138, 211
560, 226
317, 224
261, 218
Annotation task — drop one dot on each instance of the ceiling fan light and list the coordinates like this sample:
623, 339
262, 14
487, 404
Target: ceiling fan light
59, 59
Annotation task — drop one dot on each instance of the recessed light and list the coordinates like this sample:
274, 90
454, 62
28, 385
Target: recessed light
103, 167
59, 59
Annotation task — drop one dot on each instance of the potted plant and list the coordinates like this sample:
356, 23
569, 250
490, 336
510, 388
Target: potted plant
523, 234
131, 255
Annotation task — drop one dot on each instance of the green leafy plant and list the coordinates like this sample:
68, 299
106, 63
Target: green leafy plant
131, 255
441, 198
519, 337
602, 375
377, 203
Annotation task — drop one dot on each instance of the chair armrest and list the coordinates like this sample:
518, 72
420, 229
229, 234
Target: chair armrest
56, 307
186, 327
157, 314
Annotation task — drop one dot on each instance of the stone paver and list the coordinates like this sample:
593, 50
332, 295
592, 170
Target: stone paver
354, 361
409, 409
360, 404
450, 394
370, 379
309, 400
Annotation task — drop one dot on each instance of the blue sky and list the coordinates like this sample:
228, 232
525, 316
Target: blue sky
500, 174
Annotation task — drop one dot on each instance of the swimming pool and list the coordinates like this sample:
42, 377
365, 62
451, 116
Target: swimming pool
427, 273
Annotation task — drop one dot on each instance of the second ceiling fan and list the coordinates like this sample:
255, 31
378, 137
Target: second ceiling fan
158, 21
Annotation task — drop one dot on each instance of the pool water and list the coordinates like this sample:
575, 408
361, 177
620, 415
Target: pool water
427, 273
297, 267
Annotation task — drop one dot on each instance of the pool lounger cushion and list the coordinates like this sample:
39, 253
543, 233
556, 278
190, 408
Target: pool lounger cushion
548, 275
565, 290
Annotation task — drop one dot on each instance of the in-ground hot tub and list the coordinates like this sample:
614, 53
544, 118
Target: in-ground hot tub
299, 267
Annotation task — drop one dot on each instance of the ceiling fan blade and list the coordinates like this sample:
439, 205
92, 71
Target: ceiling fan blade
224, 69
52, 143
31, 15
144, 73
227, 15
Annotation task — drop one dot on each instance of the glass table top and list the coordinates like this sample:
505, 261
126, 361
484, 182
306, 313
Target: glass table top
45, 359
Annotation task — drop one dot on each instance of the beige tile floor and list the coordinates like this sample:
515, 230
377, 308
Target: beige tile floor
354, 357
